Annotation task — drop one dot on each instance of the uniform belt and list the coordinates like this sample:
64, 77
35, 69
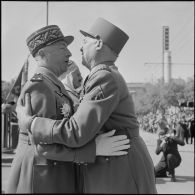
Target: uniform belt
131, 133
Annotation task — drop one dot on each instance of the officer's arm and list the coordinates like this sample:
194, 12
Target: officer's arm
42, 99
43, 105
60, 152
95, 109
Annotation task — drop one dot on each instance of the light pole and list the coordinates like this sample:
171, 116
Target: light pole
47, 13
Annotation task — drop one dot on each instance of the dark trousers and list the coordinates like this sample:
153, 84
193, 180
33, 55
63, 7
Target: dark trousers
168, 163
79, 180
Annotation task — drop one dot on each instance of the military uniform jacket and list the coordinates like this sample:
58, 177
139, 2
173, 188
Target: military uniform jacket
105, 105
40, 168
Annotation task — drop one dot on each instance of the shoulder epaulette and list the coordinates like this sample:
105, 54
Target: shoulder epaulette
37, 77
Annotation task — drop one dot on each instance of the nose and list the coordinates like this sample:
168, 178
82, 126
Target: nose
81, 49
68, 54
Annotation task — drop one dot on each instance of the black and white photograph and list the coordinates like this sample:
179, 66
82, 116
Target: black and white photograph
97, 97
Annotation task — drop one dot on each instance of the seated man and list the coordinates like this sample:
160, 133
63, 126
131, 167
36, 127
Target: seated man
167, 143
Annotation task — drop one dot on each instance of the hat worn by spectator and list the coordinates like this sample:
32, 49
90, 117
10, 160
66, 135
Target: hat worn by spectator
46, 36
110, 34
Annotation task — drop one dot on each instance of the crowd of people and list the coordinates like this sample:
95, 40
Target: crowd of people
152, 122
174, 127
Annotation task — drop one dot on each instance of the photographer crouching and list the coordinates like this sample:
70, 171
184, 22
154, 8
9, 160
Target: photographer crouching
167, 144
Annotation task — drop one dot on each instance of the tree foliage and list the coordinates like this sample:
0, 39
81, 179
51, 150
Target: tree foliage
160, 96
5, 89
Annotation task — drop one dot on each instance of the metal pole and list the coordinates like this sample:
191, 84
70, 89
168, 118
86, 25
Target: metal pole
47, 14
163, 57
2, 130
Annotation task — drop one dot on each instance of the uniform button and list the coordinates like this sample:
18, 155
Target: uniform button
55, 163
107, 159
85, 164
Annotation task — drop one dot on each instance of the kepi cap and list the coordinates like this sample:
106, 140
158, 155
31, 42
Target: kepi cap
46, 36
111, 35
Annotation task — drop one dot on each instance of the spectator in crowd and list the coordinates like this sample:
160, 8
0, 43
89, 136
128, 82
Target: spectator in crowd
184, 125
9, 108
191, 129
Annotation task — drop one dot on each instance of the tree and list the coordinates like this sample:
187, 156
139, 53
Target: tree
189, 90
160, 96
6, 87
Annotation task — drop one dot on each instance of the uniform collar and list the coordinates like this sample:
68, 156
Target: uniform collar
51, 76
103, 65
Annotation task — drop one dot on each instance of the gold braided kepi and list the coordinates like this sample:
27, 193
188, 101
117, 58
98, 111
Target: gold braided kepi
46, 36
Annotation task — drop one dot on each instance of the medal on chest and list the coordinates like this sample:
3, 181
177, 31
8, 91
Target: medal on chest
66, 108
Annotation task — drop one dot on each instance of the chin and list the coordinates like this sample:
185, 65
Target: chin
85, 64
83, 61
64, 70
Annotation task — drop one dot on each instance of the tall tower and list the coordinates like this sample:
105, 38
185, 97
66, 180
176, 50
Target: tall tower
167, 66
166, 57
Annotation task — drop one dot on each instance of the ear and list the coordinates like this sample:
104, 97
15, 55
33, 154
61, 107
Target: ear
99, 44
41, 53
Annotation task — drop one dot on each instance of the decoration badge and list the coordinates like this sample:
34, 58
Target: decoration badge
66, 109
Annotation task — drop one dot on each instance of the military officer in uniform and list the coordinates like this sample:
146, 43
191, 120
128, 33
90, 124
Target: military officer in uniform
105, 104
40, 168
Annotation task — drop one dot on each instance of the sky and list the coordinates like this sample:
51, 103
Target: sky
142, 21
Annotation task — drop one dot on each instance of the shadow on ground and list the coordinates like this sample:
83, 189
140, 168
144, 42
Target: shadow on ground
179, 179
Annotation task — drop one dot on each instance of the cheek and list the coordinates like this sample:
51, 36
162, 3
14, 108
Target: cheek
77, 79
88, 51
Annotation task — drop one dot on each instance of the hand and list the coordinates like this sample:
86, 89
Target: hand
24, 113
162, 143
109, 145
168, 135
